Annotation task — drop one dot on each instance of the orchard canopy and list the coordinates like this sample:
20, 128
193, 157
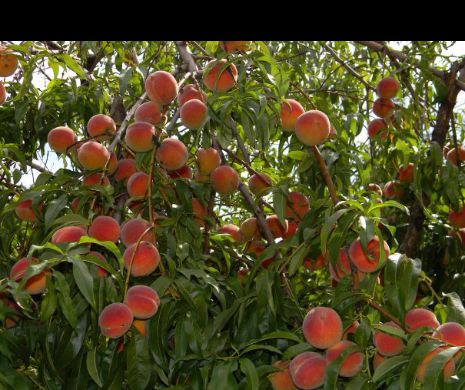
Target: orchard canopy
232, 215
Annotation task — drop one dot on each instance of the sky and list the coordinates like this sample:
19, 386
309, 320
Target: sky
51, 161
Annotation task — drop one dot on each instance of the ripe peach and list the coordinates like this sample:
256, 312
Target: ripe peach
312, 127
172, 154
259, 183
225, 180
101, 126
93, 155
308, 370
125, 169
144, 260
256, 248
161, 87
234, 46
141, 326
290, 110
133, 229
352, 364
387, 88
281, 380
343, 269
383, 108
218, 77
2, 94
377, 125
457, 218
105, 228
369, 261
375, 188
68, 234
149, 112
231, 230
143, 301
393, 189
322, 327
101, 273
139, 136
115, 320
199, 211
61, 138
377, 360
184, 172
314, 264
275, 226
191, 91
452, 155
112, 163
8, 62
351, 329
201, 178
291, 229
448, 370
95, 179
419, 317
137, 185
451, 332
25, 212
249, 229
386, 344
75, 205
194, 114
207, 160
35, 284
406, 174
296, 206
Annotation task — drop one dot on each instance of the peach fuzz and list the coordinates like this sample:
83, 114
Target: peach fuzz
101, 273
133, 229
35, 284
352, 364
191, 91
259, 183
457, 218
406, 174
101, 126
383, 108
451, 332
276, 228
387, 88
93, 155
377, 125
143, 301
290, 110
386, 344
296, 206
115, 320
125, 169
220, 82
149, 112
139, 137
8, 62
322, 327
68, 234
143, 261
452, 154
308, 370
249, 229
367, 262
193, 114
95, 179
419, 317
225, 180
281, 380
2, 93
172, 154
207, 160
312, 127
25, 212
61, 138
138, 185
161, 87
448, 369
231, 230
105, 228
199, 212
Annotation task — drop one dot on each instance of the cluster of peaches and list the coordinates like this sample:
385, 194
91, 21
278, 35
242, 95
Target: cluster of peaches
8, 66
323, 330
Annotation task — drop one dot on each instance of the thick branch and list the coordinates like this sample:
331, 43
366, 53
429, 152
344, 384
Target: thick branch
325, 173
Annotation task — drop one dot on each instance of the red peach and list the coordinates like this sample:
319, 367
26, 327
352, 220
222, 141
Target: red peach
8, 62
125, 169
233, 231
143, 301
235, 46
25, 212
377, 360
68, 234
105, 228
95, 179
256, 248
452, 155
184, 172
191, 91
35, 284
393, 189
101, 272
61, 138
296, 206
352, 364
220, 82
199, 212
383, 108
161, 87
387, 88
101, 126
291, 229
249, 229
115, 320
312, 127
281, 380
93, 155
259, 183
139, 137
308, 370
290, 110
342, 267
2, 93
406, 174
133, 229
149, 112
138, 185
367, 262
322, 327
386, 344
207, 160
141, 326
225, 180
419, 317
457, 218
451, 332
375, 188
193, 114
144, 260
377, 125
172, 154
274, 225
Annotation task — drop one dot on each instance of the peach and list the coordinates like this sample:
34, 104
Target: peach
312, 127
101, 272
184, 172
10, 320
242, 274
161, 87
207, 160
375, 188
296, 206
25, 212
369, 261
125, 169
457, 218
383, 108
143, 261
199, 212
406, 174
2, 94
276, 228
393, 189
115, 320
291, 229
308, 370
75, 205
35, 284
225, 180
419, 317
387, 88
201, 178
231, 230
172, 154
105, 228
448, 369
259, 183
256, 248
139, 137
101, 126
342, 268
112, 163
290, 110
218, 77
249, 229
332, 132
386, 344
377, 125
141, 326
452, 155
281, 380
451, 332
95, 179
138, 185
8, 62
322, 327
318, 263
235, 46
61, 138
351, 329
143, 301
93, 155
377, 360
68, 234
352, 364
149, 112
194, 114
133, 229
191, 91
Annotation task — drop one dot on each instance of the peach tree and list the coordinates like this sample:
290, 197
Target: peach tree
231, 215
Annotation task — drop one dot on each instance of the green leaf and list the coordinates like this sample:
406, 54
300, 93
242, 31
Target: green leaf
138, 363
389, 366
73, 65
49, 302
91, 364
84, 281
64, 298
55, 207
248, 368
